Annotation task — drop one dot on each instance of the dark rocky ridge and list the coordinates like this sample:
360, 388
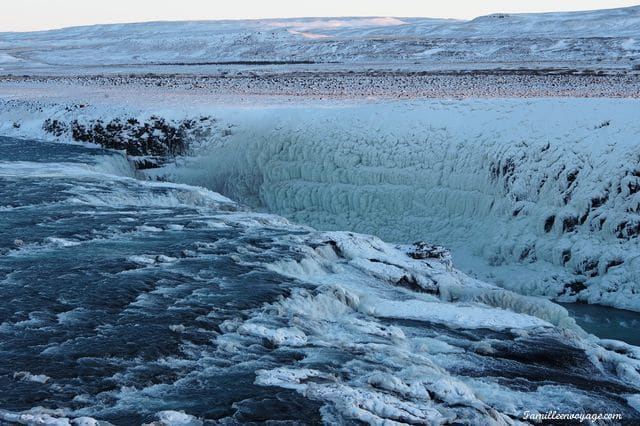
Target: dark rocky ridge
152, 142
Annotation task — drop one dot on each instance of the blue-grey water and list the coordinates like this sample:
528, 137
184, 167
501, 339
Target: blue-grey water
115, 292
76, 308
606, 322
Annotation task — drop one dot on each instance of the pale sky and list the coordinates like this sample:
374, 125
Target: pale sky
26, 15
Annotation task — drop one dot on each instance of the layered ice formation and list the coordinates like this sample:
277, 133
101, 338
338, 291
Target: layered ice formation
541, 196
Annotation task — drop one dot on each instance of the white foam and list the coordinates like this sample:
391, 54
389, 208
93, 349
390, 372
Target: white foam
148, 228
151, 259
453, 314
40, 416
392, 376
63, 242
177, 418
287, 336
29, 377
476, 301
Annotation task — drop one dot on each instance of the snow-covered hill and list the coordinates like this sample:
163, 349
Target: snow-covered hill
600, 39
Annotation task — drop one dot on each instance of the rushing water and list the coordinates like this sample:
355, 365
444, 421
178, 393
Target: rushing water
121, 298
99, 299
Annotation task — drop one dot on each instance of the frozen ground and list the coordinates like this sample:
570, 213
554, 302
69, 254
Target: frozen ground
607, 39
300, 86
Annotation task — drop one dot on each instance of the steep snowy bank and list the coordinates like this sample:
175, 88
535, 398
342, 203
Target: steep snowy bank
547, 192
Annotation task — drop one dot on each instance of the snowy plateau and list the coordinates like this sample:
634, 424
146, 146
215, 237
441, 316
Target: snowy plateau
321, 220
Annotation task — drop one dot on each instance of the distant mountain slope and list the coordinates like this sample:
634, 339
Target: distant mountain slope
602, 39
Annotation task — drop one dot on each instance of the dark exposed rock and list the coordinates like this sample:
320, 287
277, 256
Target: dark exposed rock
574, 287
147, 163
334, 246
410, 282
569, 223
505, 170
528, 253
599, 201
588, 267
156, 137
613, 263
548, 223
602, 221
628, 229
421, 250
583, 218
55, 127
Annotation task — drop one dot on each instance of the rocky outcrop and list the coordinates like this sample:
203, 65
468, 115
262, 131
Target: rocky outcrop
155, 140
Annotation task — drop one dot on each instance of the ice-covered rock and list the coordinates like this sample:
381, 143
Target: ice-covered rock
543, 203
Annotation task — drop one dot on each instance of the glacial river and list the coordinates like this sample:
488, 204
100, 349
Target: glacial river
121, 299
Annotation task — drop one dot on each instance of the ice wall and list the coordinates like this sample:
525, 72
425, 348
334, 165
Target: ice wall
540, 196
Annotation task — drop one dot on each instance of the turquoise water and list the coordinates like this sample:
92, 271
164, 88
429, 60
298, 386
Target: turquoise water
607, 323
